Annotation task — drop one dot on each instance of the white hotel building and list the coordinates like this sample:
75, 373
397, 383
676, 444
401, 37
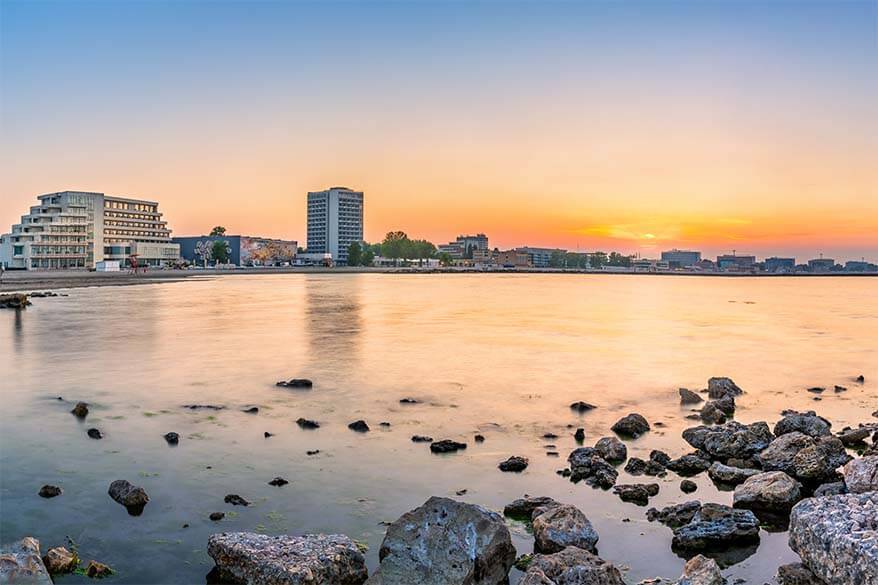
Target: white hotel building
335, 221
78, 229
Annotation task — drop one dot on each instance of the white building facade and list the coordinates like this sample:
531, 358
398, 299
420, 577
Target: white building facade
78, 229
335, 221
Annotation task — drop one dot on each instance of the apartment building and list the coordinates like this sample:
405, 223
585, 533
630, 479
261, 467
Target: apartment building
335, 221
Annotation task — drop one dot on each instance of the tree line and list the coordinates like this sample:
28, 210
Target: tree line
396, 245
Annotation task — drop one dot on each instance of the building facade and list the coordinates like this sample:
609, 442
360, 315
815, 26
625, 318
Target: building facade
775, 264
465, 247
335, 221
821, 264
78, 229
681, 258
734, 263
243, 250
540, 257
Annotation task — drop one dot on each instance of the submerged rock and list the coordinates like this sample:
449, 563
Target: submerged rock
689, 397
523, 508
172, 438
421, 439
731, 439
611, 449
59, 560
409, 401
95, 433
717, 526
514, 463
861, 475
278, 482
203, 407
251, 410
259, 559
236, 500
80, 410
571, 566
308, 423
217, 516
296, 383
558, 526
638, 493
133, 497
445, 542
359, 426
700, 570
632, 425
96, 570
579, 435
20, 562
446, 446
581, 406
50, 491
835, 537
770, 491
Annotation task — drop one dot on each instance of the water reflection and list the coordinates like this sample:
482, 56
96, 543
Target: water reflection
333, 319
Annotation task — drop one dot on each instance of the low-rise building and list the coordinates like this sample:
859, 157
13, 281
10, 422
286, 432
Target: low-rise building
860, 266
465, 247
775, 264
242, 250
734, 263
512, 259
821, 264
540, 257
681, 258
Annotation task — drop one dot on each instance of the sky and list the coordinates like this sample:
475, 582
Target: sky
604, 125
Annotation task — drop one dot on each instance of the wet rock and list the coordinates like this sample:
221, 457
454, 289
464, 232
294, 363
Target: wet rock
172, 438
95, 434
855, 437
278, 482
807, 423
384, 424
20, 562
861, 475
817, 390
14, 301
659, 457
819, 462
727, 474
689, 464
296, 383
689, 397
861, 379
571, 566
409, 401
479, 438
217, 516
586, 464
676, 515
523, 508
700, 570
236, 500
770, 491
797, 574
611, 449
80, 410
514, 463
632, 426
581, 406
50, 491
559, 526
259, 559
96, 570
722, 387
688, 486
267, 434
731, 439
312, 452
251, 410
59, 560
307, 423
835, 537
579, 435
781, 453
830, 489
840, 389
203, 407
637, 466
638, 493
133, 497
446, 446
550, 436
421, 439
359, 426
711, 414
717, 526
445, 542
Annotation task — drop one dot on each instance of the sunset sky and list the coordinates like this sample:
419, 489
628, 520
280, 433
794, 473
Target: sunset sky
630, 126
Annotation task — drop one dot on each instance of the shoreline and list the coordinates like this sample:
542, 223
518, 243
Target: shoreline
30, 281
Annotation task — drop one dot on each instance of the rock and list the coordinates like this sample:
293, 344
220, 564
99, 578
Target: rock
819, 462
445, 542
95, 434
523, 508
133, 497
861, 475
217, 516
717, 526
409, 401
267, 434
236, 500
20, 562
638, 493
251, 410
830, 489
514, 463
550, 436
797, 574
312, 452
479, 438
296, 383
259, 559
307, 423
855, 437
807, 423
722, 387
729, 475
559, 526
689, 397
581, 406
632, 426
840, 388
14, 301
446, 446
278, 482
770, 491
676, 515
781, 452
659, 457
96, 570
172, 438
700, 570
80, 410
421, 439
586, 464
386, 424
731, 439
203, 407
637, 466
688, 486
50, 491
59, 560
711, 414
579, 435
861, 379
689, 464
571, 566
835, 537
611, 449
359, 426
817, 390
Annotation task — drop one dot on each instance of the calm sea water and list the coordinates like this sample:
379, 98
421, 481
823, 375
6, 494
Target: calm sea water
500, 355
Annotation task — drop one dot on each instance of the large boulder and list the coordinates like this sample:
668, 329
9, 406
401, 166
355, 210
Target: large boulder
20, 562
835, 537
632, 425
445, 542
689, 464
728, 474
523, 508
611, 449
133, 497
780, 454
557, 527
571, 566
689, 397
730, 440
722, 387
675, 515
770, 491
59, 560
700, 570
861, 475
260, 559
717, 526
587, 464
819, 462
797, 574
807, 423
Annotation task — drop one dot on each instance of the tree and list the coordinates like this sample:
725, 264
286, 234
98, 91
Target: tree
367, 257
422, 249
395, 245
220, 251
355, 254
617, 259
445, 259
556, 259
597, 259
219, 231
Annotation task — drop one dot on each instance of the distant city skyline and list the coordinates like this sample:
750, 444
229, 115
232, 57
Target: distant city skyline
634, 127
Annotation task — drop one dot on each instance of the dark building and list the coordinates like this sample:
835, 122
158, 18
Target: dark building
243, 250
775, 264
